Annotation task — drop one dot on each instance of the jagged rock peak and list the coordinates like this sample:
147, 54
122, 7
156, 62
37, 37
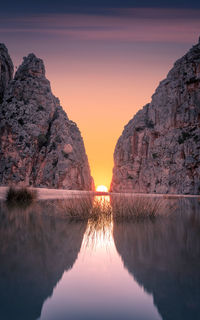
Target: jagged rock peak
6, 69
39, 145
159, 149
3, 48
31, 67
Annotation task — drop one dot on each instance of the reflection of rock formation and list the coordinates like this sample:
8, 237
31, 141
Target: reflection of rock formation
35, 250
164, 257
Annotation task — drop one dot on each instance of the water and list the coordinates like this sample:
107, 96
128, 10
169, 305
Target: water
52, 268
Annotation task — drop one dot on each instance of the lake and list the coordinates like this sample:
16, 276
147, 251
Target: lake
56, 268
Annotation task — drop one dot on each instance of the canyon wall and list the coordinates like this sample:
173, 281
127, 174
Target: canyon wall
39, 145
159, 149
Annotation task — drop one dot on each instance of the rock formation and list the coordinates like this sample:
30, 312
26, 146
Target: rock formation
39, 145
6, 69
159, 149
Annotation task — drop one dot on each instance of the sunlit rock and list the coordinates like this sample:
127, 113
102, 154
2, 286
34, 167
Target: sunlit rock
39, 145
159, 149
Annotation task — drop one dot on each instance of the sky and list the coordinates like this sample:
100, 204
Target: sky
104, 59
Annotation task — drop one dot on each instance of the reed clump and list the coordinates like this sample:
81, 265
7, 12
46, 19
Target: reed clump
77, 208
136, 207
101, 215
99, 226
86, 207
98, 210
22, 197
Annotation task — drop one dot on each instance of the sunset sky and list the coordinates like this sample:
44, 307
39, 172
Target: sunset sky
104, 61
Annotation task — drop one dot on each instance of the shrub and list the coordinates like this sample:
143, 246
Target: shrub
22, 196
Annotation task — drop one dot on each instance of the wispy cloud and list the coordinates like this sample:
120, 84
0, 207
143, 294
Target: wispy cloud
135, 24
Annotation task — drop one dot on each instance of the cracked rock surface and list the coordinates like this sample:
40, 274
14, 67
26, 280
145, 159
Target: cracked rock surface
159, 149
6, 69
39, 145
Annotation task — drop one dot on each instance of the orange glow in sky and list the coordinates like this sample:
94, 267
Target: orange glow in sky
103, 68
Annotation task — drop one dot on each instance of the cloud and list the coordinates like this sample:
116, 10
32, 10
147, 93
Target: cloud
129, 25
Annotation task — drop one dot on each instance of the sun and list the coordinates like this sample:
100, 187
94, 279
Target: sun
102, 188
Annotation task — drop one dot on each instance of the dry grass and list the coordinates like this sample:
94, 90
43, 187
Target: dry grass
77, 208
100, 216
99, 228
136, 207
86, 207
21, 197
99, 210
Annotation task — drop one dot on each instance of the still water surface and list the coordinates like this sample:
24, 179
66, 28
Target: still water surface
54, 269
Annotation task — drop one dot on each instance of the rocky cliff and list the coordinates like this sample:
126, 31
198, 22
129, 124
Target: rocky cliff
159, 149
39, 145
6, 69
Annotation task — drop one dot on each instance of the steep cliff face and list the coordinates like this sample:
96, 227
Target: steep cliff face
6, 69
159, 149
39, 145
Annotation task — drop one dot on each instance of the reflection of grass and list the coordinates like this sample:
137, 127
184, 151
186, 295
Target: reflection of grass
136, 208
21, 197
99, 211
77, 208
100, 218
86, 207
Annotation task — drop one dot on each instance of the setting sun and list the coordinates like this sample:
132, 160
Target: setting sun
102, 188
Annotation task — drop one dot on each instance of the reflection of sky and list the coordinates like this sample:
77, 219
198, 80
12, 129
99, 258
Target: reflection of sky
103, 66
98, 287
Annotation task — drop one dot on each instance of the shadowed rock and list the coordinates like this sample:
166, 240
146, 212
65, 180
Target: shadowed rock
36, 246
39, 145
6, 69
159, 149
164, 258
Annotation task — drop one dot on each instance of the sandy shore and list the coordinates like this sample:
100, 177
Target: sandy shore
46, 194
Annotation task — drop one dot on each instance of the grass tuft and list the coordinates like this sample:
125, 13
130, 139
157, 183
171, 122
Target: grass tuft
20, 197
136, 208
98, 210
86, 207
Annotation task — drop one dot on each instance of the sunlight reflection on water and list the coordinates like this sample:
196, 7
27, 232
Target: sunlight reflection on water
99, 231
53, 267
